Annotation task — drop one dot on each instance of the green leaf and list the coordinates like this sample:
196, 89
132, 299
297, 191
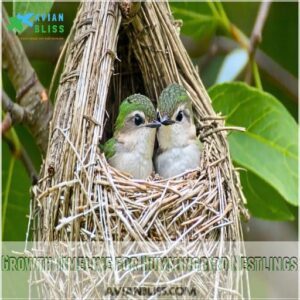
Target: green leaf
7, 190
18, 195
198, 22
269, 147
29, 7
264, 201
16, 198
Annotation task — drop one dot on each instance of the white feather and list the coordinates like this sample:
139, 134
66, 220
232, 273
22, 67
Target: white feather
179, 149
178, 160
134, 151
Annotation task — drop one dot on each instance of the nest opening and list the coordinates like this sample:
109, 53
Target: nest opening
127, 79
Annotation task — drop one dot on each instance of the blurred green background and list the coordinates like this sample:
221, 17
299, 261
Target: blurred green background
202, 33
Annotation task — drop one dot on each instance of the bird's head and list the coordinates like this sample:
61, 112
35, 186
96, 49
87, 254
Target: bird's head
136, 112
176, 116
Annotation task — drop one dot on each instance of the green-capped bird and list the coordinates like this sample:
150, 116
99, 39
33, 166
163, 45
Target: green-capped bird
131, 148
179, 149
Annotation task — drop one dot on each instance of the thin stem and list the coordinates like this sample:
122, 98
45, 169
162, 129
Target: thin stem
60, 58
6, 193
260, 21
220, 14
255, 39
213, 9
223, 15
16, 142
251, 45
239, 36
256, 76
15, 113
6, 123
19, 152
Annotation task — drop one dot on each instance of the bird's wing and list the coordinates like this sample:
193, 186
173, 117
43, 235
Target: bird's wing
109, 148
199, 144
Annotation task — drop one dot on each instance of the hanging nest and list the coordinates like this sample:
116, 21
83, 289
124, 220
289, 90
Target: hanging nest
113, 51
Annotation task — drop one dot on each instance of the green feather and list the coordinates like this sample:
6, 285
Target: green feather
200, 145
109, 148
171, 97
133, 103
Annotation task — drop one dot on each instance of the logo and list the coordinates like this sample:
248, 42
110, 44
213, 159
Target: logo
51, 23
16, 23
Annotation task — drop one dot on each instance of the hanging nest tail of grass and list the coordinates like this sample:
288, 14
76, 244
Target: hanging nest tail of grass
115, 50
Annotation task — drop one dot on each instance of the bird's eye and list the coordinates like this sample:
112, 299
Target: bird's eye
179, 116
138, 120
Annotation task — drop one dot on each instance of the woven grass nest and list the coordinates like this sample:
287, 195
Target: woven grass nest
115, 50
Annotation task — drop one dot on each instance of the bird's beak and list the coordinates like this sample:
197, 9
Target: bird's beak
154, 124
165, 120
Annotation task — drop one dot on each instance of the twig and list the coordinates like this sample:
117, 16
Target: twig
32, 95
242, 129
61, 58
213, 118
6, 123
256, 35
273, 70
16, 112
20, 153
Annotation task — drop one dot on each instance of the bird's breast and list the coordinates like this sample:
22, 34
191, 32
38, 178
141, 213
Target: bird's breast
177, 160
134, 153
133, 163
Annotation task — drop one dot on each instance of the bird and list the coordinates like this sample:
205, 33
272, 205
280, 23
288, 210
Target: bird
130, 150
179, 149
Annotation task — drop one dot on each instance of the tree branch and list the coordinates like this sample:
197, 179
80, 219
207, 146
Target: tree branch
6, 123
31, 94
17, 113
256, 36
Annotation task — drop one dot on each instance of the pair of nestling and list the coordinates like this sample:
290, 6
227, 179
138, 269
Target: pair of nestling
132, 146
